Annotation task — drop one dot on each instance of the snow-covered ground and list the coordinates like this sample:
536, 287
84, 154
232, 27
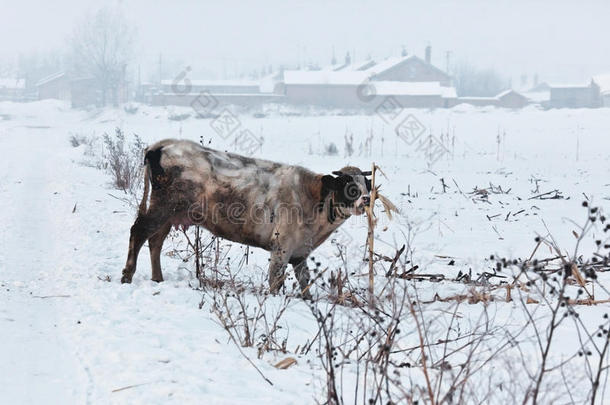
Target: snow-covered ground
71, 333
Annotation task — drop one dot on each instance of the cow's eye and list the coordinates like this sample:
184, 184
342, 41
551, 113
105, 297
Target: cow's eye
352, 191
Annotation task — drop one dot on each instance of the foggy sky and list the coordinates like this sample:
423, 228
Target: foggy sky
560, 40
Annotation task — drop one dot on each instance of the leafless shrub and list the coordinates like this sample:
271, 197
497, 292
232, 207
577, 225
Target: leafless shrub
93, 150
555, 281
402, 344
78, 139
178, 117
124, 160
395, 339
436, 356
241, 306
252, 322
331, 149
349, 144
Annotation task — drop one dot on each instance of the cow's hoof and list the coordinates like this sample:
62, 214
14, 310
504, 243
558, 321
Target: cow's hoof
126, 279
157, 280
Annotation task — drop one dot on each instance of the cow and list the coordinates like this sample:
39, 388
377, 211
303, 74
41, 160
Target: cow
284, 209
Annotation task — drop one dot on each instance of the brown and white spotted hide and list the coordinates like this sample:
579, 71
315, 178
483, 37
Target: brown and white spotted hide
286, 210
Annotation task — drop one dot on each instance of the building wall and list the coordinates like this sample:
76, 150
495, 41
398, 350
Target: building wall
56, 89
332, 96
414, 70
11, 94
575, 97
347, 96
186, 100
605, 100
434, 101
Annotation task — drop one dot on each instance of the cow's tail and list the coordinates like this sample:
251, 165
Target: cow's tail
142, 209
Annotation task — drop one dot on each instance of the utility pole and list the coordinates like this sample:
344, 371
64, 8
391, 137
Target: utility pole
160, 69
448, 57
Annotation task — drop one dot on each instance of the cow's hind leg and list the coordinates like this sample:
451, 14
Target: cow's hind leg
301, 272
144, 226
155, 243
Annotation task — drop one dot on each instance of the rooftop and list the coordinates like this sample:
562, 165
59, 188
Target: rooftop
343, 77
50, 78
603, 81
569, 85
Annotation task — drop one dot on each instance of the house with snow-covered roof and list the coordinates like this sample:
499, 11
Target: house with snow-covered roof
512, 99
55, 86
325, 88
416, 94
12, 89
80, 90
247, 93
339, 66
362, 65
539, 94
575, 95
349, 65
506, 99
409, 68
413, 82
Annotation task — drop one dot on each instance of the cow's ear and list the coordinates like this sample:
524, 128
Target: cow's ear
329, 182
329, 185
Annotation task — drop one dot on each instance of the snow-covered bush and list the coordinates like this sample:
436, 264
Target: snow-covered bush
130, 108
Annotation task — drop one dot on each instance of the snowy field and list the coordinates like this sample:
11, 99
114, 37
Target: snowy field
71, 333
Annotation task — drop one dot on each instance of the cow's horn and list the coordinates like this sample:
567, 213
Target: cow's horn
338, 173
367, 173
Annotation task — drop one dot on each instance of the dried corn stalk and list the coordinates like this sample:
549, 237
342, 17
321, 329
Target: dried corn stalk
389, 207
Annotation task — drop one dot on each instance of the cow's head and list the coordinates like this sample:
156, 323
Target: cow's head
350, 189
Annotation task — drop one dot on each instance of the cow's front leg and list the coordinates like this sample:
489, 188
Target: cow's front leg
301, 272
277, 269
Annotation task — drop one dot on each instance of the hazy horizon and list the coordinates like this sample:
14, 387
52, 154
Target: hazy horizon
560, 41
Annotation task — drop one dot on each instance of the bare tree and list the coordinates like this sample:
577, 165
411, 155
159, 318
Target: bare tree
474, 82
102, 45
33, 66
